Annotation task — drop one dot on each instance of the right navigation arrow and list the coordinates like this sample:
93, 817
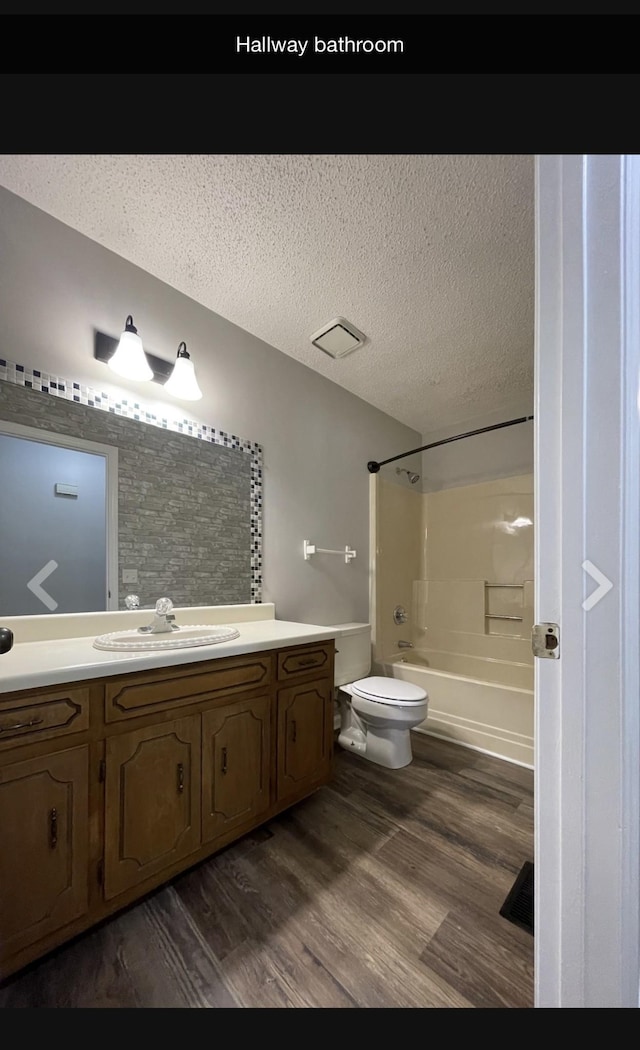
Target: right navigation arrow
604, 585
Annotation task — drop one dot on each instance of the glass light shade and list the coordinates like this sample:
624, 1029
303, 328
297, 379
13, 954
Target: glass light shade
129, 359
182, 382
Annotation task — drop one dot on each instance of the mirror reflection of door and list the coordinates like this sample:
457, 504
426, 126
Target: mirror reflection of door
53, 525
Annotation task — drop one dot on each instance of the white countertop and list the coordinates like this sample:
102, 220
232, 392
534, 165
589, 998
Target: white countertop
54, 660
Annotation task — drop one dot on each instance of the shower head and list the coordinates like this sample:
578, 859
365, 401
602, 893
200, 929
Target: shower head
412, 477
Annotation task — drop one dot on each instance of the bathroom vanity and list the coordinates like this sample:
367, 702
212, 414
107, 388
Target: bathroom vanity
119, 770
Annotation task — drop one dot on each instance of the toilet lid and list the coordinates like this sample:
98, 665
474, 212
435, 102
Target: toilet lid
390, 691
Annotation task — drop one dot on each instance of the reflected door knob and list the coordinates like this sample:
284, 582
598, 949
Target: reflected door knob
6, 639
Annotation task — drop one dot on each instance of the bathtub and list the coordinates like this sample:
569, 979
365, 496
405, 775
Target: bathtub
480, 702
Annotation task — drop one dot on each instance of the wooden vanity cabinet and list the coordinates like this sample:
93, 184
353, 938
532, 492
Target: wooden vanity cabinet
49, 818
152, 801
112, 787
44, 842
236, 765
304, 719
305, 737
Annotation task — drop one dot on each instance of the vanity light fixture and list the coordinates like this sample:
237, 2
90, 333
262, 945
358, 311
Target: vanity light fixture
129, 359
182, 382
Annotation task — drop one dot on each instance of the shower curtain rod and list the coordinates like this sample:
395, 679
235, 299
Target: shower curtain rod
373, 466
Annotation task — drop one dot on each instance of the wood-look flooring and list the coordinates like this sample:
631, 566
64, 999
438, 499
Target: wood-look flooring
382, 889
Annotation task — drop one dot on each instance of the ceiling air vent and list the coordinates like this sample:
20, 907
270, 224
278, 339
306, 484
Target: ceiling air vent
338, 338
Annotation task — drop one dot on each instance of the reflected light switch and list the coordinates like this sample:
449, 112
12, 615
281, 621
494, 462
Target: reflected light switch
129, 575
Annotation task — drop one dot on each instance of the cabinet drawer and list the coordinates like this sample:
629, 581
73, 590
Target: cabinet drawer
23, 720
145, 692
295, 662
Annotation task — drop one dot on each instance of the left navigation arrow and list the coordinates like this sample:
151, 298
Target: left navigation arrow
35, 587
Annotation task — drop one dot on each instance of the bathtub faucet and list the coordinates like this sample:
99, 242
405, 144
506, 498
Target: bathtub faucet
405, 645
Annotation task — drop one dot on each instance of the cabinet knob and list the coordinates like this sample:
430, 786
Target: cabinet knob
6, 639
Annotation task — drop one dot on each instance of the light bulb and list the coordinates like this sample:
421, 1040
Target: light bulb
130, 360
182, 382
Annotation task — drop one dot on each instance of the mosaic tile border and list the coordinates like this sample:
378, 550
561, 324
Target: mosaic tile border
69, 390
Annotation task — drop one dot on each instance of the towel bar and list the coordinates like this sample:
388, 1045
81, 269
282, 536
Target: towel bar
310, 548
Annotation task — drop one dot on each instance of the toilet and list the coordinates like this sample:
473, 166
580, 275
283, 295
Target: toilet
376, 714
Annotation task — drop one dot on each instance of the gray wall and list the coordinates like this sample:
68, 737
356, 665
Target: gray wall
57, 286
501, 453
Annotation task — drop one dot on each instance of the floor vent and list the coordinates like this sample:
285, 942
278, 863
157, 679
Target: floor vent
518, 905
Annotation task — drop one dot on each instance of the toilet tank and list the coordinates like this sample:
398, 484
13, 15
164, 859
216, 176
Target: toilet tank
353, 652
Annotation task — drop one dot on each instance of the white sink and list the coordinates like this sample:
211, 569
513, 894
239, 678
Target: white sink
196, 634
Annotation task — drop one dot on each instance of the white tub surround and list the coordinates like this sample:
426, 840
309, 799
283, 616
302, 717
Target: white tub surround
52, 649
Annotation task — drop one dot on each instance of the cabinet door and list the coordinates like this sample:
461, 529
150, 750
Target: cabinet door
305, 736
236, 746
152, 801
44, 836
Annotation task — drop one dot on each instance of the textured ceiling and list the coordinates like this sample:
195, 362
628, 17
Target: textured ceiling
431, 256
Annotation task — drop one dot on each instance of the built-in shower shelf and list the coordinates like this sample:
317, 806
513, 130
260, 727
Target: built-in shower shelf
499, 587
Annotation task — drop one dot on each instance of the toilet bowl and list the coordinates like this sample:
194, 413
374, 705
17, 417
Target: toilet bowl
376, 714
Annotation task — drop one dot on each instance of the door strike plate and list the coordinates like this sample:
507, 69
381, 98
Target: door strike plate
545, 641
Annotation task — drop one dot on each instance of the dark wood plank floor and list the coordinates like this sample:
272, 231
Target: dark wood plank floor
381, 890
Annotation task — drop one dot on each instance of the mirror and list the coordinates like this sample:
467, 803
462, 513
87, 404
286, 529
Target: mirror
185, 519
58, 522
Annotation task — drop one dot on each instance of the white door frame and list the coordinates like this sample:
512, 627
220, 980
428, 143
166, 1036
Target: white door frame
587, 500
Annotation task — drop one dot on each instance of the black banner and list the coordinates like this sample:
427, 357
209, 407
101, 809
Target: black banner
114, 43
317, 83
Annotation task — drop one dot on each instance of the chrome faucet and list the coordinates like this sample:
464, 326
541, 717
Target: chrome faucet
163, 618
405, 645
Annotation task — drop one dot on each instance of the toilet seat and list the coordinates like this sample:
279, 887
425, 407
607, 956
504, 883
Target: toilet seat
391, 691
